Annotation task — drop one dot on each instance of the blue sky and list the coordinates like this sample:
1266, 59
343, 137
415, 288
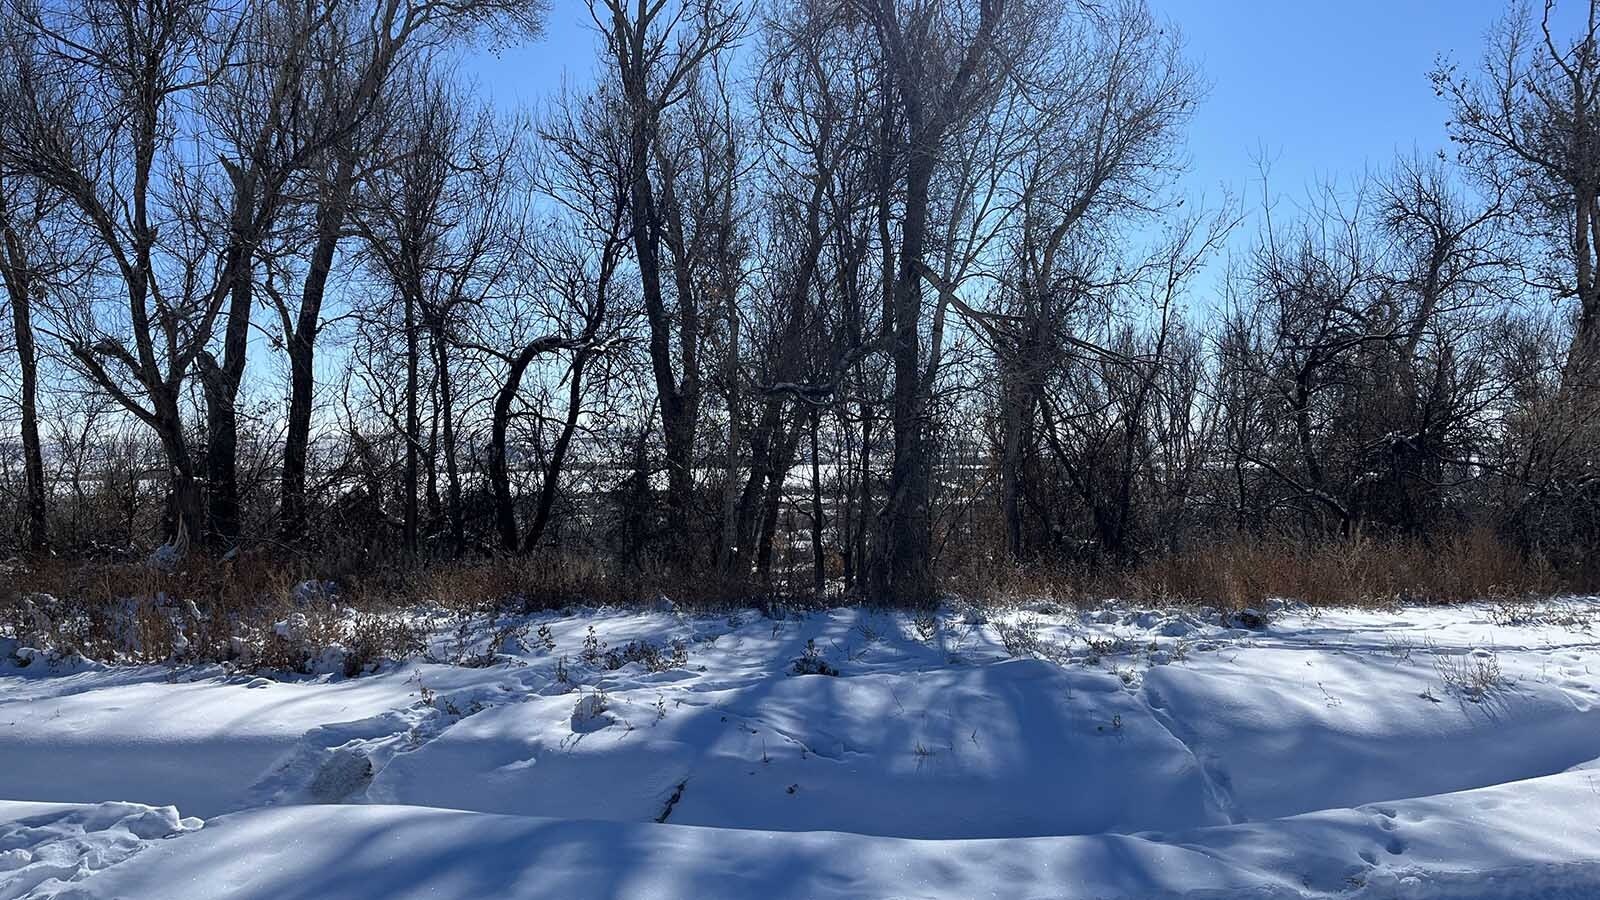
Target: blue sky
1321, 88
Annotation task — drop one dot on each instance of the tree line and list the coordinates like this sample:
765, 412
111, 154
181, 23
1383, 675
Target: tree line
871, 290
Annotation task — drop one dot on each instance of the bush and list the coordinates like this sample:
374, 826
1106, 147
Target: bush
810, 662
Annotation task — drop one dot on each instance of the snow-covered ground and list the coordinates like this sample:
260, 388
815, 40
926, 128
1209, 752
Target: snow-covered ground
1425, 752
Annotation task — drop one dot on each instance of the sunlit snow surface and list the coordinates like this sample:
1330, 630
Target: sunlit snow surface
1425, 752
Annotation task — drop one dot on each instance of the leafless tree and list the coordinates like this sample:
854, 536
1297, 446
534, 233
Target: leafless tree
102, 85
1524, 120
657, 54
362, 54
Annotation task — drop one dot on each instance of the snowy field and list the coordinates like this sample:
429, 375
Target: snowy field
1424, 752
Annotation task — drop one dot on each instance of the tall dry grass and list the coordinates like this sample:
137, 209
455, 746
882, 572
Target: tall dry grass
1243, 571
132, 613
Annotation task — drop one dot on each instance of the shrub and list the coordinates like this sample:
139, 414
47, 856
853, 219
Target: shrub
674, 655
810, 661
1473, 675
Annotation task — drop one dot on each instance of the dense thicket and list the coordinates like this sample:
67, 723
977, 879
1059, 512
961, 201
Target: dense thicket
854, 294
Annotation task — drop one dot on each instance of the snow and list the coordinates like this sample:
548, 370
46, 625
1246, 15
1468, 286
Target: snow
46, 848
1043, 752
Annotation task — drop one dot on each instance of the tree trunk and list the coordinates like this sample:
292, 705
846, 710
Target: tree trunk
302, 353
19, 286
646, 235
505, 515
730, 480
904, 572
222, 451
558, 453
413, 427
221, 383
818, 563
864, 521
430, 459
847, 506
767, 435
681, 428
185, 513
448, 434
772, 500
1014, 412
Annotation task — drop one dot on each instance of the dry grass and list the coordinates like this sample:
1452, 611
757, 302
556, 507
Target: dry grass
1360, 572
125, 611
204, 611
1473, 675
209, 610
548, 582
1242, 572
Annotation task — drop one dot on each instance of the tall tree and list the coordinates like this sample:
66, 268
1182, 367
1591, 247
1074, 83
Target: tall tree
1108, 100
102, 85
269, 127
943, 62
361, 57
657, 51
22, 214
1525, 122
23, 275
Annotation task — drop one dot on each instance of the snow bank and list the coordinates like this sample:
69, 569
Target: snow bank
1533, 840
1015, 749
1424, 753
45, 849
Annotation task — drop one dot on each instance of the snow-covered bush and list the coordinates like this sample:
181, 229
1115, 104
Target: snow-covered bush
654, 657
1020, 638
673, 655
371, 639
1514, 612
326, 639
116, 630
481, 640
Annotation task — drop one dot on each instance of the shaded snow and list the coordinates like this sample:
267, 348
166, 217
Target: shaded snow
1126, 753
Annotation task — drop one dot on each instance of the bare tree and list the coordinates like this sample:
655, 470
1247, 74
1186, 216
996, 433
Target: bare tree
101, 84
361, 57
943, 62
27, 263
658, 51
1107, 104
22, 271
1525, 122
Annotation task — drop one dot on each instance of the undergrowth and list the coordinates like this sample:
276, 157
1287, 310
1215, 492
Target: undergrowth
1246, 571
262, 612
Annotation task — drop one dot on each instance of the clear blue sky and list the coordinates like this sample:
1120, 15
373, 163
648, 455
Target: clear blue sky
1322, 88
